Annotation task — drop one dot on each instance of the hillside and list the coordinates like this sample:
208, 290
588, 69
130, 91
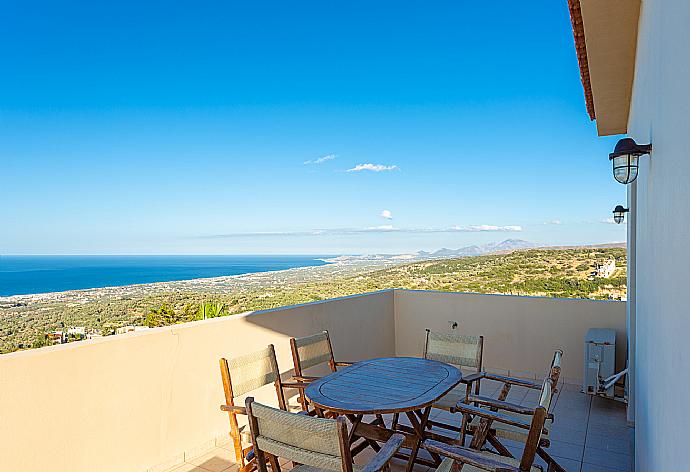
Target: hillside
535, 272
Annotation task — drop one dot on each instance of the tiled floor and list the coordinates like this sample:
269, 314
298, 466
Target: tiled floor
589, 434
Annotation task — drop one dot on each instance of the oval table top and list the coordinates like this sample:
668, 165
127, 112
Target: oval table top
384, 385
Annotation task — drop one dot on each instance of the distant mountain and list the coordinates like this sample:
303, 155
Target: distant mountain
474, 250
503, 247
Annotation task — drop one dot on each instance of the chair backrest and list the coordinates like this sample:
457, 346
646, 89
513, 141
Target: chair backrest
456, 349
250, 371
316, 442
311, 351
537, 425
240, 376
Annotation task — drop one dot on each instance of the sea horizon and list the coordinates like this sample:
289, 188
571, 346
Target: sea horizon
39, 274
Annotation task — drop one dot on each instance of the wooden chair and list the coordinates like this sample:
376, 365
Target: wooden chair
462, 351
473, 460
242, 375
312, 351
316, 444
522, 413
509, 382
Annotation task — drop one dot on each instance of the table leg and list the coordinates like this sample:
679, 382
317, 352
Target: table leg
356, 420
396, 416
419, 427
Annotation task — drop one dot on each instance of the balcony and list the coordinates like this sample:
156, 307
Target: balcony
148, 401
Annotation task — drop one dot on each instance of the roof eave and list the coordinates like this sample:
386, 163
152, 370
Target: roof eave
605, 35
581, 51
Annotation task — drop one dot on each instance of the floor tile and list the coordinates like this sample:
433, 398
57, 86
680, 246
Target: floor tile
617, 444
566, 450
596, 468
608, 429
568, 387
187, 468
607, 459
579, 423
573, 436
569, 465
218, 460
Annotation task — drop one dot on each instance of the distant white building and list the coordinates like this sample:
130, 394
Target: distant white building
77, 331
605, 270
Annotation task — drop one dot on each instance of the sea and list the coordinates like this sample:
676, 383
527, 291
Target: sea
22, 275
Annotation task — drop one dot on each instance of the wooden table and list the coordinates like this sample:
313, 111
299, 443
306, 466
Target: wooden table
376, 387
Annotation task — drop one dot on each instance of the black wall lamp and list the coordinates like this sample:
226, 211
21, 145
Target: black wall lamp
625, 158
619, 214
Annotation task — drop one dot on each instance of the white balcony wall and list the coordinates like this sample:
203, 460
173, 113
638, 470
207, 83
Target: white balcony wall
660, 114
521, 333
135, 401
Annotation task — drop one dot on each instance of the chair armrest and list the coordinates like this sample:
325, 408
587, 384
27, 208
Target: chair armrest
492, 415
343, 364
468, 456
386, 453
234, 409
468, 379
513, 381
304, 378
298, 385
500, 405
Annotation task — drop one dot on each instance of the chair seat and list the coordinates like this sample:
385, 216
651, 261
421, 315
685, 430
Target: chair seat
447, 463
308, 468
450, 399
510, 432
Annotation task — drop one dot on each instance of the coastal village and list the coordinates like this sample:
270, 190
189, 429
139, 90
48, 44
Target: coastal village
80, 333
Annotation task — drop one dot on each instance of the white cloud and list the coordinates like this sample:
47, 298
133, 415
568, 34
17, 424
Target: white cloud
387, 214
381, 228
375, 229
553, 222
609, 220
372, 167
488, 228
321, 160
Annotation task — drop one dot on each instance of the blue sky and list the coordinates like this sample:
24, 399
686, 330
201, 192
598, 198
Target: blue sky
196, 127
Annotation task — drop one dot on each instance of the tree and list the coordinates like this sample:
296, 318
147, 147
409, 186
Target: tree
39, 341
211, 310
162, 316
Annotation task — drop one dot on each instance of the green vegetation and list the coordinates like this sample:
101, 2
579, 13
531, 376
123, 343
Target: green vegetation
211, 310
538, 272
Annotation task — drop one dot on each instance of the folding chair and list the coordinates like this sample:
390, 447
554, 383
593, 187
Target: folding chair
312, 351
462, 351
242, 375
313, 444
473, 460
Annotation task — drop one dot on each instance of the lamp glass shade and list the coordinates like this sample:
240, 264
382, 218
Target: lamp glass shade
625, 168
618, 218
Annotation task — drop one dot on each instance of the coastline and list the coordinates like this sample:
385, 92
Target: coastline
334, 266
